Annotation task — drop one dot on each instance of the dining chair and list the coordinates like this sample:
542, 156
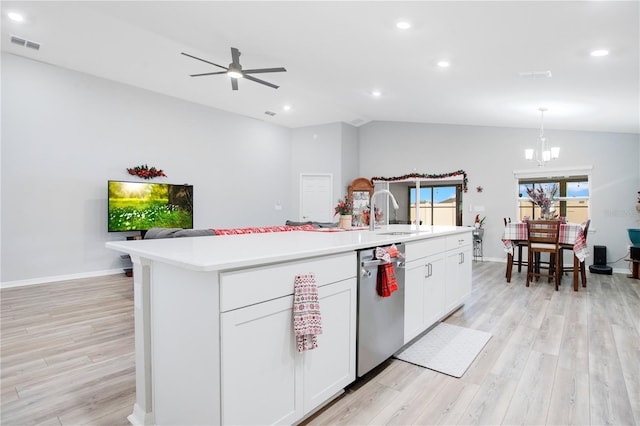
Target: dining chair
569, 247
519, 244
543, 238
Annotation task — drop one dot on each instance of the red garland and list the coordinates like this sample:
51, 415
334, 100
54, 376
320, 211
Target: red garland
146, 172
427, 176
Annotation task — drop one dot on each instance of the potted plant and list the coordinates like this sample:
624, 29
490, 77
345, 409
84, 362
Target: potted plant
344, 208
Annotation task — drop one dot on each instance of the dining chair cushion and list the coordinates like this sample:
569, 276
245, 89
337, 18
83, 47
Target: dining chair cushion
543, 246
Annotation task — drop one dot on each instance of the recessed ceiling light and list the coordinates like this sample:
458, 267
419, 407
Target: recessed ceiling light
599, 52
15, 17
443, 64
286, 107
376, 93
403, 25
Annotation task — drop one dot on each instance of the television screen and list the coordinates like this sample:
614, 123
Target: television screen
139, 206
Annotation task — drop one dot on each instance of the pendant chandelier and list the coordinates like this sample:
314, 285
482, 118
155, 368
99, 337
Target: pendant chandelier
542, 153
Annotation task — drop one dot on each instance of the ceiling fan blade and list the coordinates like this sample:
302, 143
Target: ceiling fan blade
208, 73
266, 83
203, 60
261, 70
234, 83
235, 56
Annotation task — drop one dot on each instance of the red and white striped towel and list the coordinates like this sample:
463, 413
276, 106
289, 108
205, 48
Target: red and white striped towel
307, 321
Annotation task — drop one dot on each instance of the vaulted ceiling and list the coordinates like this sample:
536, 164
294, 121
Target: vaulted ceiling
506, 58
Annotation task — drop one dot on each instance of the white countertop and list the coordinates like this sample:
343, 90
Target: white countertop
222, 252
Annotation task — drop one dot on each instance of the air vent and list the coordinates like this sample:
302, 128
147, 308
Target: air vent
25, 43
17, 40
535, 74
271, 113
33, 45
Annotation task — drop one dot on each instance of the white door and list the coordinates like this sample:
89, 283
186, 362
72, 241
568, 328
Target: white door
316, 197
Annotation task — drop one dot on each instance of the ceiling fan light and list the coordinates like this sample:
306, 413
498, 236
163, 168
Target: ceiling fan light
234, 73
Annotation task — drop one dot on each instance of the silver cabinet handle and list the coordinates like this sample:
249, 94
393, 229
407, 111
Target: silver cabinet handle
365, 273
429, 270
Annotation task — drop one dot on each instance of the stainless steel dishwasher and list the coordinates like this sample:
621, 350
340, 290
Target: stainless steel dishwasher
380, 319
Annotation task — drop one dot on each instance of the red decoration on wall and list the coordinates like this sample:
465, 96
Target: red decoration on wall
146, 172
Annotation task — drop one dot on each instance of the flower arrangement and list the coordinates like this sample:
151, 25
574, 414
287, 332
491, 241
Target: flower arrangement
146, 172
544, 198
344, 207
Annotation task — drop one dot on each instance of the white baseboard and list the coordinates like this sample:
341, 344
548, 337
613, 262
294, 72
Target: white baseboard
58, 278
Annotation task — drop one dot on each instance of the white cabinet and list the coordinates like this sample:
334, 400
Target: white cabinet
424, 294
413, 299
332, 365
265, 380
437, 280
261, 373
434, 289
458, 275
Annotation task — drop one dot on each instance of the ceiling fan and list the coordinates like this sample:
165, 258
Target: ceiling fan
235, 71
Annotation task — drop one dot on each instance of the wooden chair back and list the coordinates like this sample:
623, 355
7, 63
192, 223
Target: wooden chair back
543, 234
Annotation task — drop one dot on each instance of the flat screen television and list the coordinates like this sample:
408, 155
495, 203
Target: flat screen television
140, 206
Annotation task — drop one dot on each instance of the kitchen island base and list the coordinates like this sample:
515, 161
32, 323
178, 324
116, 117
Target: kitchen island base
214, 323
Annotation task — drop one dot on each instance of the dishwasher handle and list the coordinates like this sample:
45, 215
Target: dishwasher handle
371, 263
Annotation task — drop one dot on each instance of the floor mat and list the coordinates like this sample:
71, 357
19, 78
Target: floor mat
447, 348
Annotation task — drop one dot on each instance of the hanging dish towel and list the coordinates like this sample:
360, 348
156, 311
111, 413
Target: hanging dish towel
307, 322
386, 281
387, 253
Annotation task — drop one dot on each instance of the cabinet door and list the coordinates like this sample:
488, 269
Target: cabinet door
414, 298
424, 294
458, 279
332, 365
261, 369
434, 290
465, 274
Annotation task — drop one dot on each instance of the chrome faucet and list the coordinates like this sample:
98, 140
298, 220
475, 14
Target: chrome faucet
372, 209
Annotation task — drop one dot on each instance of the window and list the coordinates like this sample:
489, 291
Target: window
572, 201
439, 205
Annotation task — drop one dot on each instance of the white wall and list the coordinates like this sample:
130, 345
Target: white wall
327, 148
64, 134
490, 155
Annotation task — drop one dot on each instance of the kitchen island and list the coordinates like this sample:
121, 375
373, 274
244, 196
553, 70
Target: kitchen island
213, 318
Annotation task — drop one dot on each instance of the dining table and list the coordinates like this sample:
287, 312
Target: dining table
570, 234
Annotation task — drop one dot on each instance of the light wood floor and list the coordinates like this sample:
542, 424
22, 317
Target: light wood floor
554, 358
67, 355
